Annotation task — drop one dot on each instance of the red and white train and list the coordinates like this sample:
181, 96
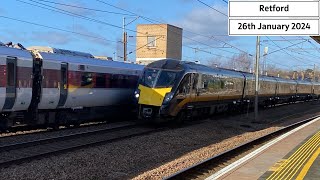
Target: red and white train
49, 86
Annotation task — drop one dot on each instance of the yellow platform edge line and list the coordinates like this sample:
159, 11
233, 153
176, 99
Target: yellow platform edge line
303, 158
292, 159
295, 164
306, 168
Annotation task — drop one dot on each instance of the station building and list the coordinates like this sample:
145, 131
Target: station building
158, 41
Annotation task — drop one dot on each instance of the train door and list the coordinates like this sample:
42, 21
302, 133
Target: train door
11, 82
63, 84
194, 86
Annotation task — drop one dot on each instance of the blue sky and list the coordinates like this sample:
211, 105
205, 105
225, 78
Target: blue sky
203, 28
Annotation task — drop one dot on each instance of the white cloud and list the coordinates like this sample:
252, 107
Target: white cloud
205, 21
91, 36
74, 9
14, 36
51, 37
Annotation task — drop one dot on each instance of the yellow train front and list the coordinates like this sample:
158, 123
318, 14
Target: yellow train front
156, 89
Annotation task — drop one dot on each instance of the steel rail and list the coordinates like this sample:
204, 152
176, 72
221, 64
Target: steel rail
26, 151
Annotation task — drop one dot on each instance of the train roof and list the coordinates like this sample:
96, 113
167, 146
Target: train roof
88, 61
80, 58
15, 52
188, 66
60, 51
191, 66
306, 82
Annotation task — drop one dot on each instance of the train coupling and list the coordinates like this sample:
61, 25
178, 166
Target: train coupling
147, 112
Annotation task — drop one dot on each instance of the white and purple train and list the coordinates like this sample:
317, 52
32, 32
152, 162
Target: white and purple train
49, 86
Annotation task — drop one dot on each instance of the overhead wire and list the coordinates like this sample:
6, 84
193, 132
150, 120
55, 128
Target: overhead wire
308, 53
59, 29
97, 21
212, 8
85, 8
77, 15
153, 21
283, 49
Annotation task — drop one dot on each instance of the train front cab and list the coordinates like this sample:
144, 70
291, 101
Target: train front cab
155, 92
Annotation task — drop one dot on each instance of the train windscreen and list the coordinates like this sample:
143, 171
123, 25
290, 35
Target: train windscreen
156, 78
166, 79
149, 77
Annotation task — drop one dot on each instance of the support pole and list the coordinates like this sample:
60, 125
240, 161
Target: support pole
124, 40
313, 79
256, 103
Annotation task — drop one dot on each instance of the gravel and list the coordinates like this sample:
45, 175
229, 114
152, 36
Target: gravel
160, 154
23, 136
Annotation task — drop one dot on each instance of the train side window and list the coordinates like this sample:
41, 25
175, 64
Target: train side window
222, 83
214, 84
11, 74
195, 81
204, 82
100, 80
229, 83
86, 79
184, 87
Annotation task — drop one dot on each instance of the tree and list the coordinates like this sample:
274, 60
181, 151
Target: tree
240, 62
215, 62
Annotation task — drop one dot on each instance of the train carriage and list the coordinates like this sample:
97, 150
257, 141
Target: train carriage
286, 90
46, 86
15, 82
197, 90
304, 90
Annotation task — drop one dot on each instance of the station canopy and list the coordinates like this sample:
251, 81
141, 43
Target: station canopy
316, 38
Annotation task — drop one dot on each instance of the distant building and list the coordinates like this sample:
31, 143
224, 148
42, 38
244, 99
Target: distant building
158, 41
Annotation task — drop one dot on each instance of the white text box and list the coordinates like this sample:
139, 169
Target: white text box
273, 27
289, 9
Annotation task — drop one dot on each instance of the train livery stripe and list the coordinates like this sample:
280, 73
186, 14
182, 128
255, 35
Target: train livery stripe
24, 76
199, 99
82, 79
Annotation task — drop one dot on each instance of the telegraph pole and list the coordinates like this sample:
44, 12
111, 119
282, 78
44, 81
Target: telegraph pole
125, 37
256, 103
124, 40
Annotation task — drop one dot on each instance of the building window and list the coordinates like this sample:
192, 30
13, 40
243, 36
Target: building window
151, 41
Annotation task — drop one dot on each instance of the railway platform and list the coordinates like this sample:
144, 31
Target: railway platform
294, 155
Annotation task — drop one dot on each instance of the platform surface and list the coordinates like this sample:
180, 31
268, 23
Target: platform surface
295, 156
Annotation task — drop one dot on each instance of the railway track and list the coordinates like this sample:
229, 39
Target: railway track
25, 151
213, 164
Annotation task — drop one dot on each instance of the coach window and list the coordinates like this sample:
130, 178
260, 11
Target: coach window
214, 84
100, 80
86, 79
204, 80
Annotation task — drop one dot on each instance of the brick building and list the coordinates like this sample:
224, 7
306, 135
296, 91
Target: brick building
158, 41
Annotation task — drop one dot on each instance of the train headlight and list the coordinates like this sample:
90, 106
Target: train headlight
137, 93
167, 97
